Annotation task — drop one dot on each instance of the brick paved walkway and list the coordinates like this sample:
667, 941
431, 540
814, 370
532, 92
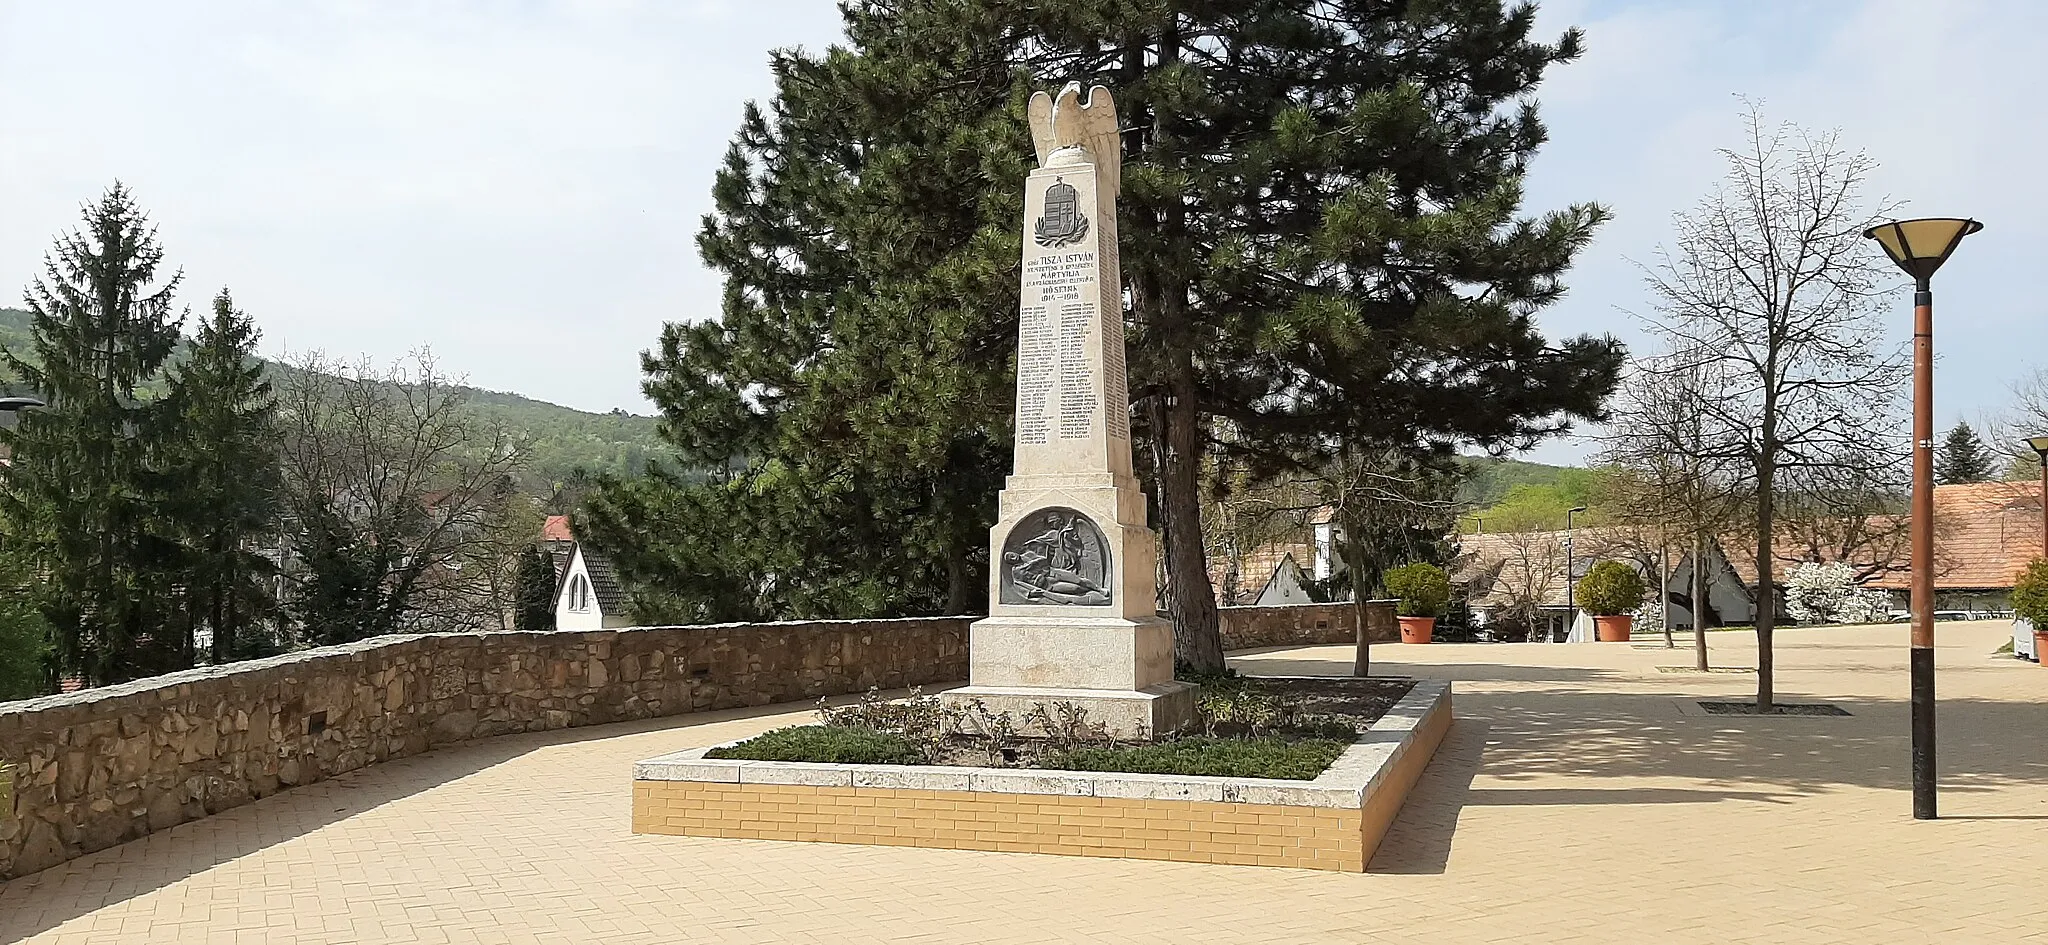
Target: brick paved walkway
1577, 800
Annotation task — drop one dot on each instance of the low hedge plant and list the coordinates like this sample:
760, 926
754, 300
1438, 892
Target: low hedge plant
832, 744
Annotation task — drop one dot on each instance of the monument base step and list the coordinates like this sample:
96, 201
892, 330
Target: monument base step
1128, 713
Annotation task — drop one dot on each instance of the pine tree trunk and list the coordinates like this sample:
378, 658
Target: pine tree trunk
1699, 601
1362, 663
960, 588
1190, 601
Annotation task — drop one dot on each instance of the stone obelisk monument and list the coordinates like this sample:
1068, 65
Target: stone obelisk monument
1072, 598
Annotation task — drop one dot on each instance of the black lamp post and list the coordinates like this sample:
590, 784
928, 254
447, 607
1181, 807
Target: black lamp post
1571, 604
1920, 247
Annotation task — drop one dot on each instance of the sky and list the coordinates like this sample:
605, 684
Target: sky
519, 185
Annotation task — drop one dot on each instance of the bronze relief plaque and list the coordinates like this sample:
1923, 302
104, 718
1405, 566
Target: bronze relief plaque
1056, 556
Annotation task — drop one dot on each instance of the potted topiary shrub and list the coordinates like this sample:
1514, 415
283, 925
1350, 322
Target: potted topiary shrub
1611, 591
1424, 590
2030, 600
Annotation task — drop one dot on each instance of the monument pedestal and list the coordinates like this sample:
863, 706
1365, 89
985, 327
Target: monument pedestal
1120, 671
1072, 593
1130, 713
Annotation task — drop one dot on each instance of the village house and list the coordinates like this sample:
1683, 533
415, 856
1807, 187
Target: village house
588, 595
1514, 583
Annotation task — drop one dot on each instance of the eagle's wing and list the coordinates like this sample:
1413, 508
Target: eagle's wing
1102, 136
1040, 115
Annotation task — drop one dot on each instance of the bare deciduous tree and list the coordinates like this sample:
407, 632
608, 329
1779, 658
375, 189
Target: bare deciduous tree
1665, 476
1770, 287
1531, 577
396, 494
1244, 515
2026, 417
1851, 513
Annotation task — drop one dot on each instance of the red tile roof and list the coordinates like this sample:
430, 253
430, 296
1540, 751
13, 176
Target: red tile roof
556, 529
1984, 534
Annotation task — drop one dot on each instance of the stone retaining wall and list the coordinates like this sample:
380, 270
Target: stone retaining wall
1306, 624
86, 770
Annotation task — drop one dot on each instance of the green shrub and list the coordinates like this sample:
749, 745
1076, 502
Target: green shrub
2030, 593
1610, 589
835, 744
1424, 589
1293, 759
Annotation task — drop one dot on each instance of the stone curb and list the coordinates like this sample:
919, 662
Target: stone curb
1346, 784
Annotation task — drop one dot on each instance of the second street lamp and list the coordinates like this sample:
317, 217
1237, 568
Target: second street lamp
1571, 604
1920, 247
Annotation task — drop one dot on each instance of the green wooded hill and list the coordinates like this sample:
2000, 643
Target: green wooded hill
563, 439
1493, 479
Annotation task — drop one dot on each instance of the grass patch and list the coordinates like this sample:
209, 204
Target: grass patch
1270, 756
832, 744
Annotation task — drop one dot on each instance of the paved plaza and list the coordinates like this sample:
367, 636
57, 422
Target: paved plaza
1581, 797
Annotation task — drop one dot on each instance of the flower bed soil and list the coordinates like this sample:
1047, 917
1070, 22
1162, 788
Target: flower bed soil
1329, 713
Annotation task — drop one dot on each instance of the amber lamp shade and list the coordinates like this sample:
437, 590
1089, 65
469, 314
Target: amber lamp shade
1921, 246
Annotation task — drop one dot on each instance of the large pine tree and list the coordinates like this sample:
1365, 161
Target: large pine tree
224, 463
1321, 242
852, 397
87, 477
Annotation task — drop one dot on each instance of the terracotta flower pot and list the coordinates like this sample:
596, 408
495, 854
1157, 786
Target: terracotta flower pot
1417, 629
1613, 628
2041, 647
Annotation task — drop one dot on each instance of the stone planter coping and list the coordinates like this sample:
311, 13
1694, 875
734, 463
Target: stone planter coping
1347, 783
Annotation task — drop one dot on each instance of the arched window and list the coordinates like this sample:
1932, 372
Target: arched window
579, 594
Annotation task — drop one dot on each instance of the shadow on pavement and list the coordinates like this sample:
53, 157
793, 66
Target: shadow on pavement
1517, 797
1559, 732
1420, 839
1984, 743
1456, 672
41, 901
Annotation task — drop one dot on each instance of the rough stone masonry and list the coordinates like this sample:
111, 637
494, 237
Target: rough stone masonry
86, 770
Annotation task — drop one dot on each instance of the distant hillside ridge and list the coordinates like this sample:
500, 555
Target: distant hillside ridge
1492, 479
563, 439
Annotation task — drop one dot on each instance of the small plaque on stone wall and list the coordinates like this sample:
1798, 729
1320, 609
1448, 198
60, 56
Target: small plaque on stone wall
1056, 556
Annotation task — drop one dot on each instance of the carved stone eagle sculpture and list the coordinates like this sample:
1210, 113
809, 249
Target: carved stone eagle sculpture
1069, 122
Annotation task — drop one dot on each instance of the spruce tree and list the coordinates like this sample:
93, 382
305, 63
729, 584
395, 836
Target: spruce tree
227, 477
535, 607
851, 401
1963, 458
1322, 244
87, 470
24, 634
341, 593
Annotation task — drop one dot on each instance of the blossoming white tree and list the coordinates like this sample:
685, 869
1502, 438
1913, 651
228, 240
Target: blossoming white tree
1828, 593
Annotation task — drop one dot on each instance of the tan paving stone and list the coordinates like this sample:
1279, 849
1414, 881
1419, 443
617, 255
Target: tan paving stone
1578, 799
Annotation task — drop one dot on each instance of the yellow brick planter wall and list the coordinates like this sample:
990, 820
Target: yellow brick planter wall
1383, 805
1332, 823
1192, 831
